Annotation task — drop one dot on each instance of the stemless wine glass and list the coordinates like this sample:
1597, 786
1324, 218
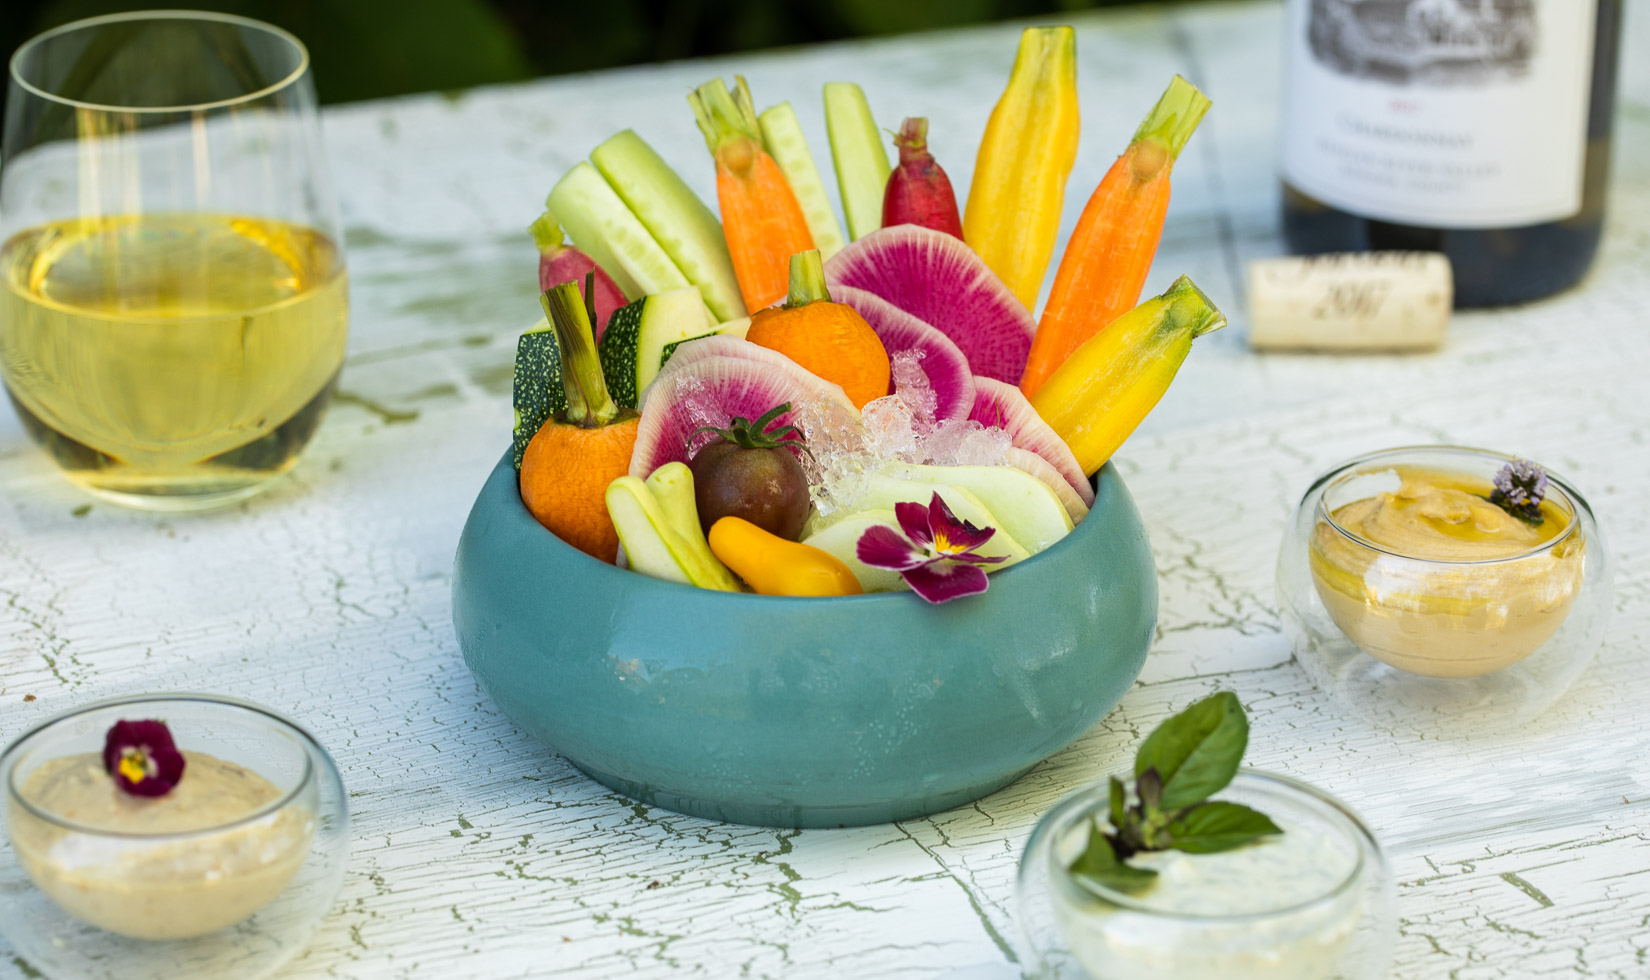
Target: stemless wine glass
174, 308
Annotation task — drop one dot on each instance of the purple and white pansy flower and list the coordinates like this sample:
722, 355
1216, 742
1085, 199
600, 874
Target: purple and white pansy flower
936, 553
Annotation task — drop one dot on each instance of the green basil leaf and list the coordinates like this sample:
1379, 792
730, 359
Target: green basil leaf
1098, 866
1197, 751
1119, 803
1218, 826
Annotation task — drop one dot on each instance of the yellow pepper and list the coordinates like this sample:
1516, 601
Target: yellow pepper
1019, 186
773, 566
1108, 385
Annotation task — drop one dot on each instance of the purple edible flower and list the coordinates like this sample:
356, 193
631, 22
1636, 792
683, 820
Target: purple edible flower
142, 757
935, 554
1519, 489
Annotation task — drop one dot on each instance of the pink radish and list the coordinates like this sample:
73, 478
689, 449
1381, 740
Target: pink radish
939, 280
919, 192
946, 367
1003, 405
712, 390
560, 262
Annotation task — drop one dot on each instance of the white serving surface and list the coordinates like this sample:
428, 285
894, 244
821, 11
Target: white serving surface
479, 852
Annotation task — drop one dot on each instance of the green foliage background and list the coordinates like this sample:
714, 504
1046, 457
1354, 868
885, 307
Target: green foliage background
366, 49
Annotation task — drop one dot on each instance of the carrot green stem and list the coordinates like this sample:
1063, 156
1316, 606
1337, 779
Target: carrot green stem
546, 232
1175, 117
807, 280
1188, 307
588, 403
722, 116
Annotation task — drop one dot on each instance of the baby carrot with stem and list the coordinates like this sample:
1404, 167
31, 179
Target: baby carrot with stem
1110, 252
761, 219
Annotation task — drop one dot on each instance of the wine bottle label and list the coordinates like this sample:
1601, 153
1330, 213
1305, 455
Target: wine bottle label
1439, 113
1362, 301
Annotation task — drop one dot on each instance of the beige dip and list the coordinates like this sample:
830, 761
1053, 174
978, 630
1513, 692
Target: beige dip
1453, 586
159, 870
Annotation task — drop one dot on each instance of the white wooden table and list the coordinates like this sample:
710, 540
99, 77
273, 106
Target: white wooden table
479, 852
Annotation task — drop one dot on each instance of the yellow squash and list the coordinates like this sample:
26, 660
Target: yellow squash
1019, 187
770, 565
1109, 384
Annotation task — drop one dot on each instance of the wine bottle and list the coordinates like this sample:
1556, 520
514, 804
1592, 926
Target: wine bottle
1475, 128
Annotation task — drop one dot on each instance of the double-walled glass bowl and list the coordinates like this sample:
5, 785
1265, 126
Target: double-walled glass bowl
1414, 641
1314, 903
234, 897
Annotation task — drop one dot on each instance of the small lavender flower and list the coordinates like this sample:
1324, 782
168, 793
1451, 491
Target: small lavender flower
1519, 489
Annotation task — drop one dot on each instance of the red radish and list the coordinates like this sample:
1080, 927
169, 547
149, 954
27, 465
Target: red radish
919, 192
1005, 406
944, 364
560, 262
944, 283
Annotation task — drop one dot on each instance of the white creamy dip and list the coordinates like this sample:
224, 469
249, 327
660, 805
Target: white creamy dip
154, 868
1271, 910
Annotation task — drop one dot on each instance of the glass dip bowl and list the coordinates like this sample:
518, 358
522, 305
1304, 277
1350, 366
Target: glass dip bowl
1460, 619
228, 875
1316, 902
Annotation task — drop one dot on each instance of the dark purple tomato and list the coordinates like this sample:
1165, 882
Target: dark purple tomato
764, 486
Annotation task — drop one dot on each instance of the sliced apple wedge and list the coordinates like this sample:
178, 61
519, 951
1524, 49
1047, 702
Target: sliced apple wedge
841, 541
1022, 505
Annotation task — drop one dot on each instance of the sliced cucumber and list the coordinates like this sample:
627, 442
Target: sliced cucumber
600, 224
861, 163
536, 392
783, 134
677, 220
633, 345
732, 328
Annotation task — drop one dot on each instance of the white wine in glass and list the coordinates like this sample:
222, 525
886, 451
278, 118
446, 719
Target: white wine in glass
173, 301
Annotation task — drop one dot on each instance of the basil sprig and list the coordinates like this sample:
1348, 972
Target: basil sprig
1184, 761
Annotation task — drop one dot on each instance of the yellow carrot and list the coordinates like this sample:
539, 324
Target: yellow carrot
1019, 186
1108, 385
1110, 251
761, 219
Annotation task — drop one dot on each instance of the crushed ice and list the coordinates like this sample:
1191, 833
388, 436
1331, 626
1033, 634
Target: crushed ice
896, 428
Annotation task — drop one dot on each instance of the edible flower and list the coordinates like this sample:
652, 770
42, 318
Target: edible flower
936, 554
1519, 489
142, 757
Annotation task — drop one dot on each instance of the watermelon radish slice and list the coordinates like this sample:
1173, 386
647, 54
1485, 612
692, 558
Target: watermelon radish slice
947, 369
999, 404
1042, 469
939, 280
712, 390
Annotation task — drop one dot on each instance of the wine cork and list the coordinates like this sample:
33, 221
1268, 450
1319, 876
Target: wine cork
1350, 301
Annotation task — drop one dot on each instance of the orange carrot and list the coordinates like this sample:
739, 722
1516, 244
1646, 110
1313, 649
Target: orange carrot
761, 219
1110, 252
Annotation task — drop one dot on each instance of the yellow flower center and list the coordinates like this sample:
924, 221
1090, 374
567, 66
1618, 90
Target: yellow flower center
134, 765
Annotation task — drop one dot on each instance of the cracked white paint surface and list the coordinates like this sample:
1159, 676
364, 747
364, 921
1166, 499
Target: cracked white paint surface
478, 852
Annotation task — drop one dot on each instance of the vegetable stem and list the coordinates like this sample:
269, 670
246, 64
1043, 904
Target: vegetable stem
1175, 117
724, 118
588, 403
807, 280
546, 232
1190, 309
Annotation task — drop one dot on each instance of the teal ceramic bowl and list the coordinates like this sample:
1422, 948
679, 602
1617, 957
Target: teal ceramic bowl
801, 712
